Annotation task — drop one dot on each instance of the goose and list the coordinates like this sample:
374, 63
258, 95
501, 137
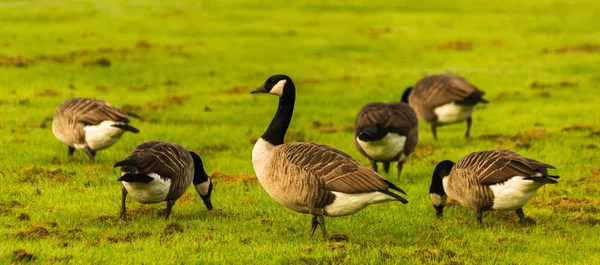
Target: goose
489, 180
444, 99
386, 132
158, 171
312, 178
90, 124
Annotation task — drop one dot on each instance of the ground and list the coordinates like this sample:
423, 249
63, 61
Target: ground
187, 68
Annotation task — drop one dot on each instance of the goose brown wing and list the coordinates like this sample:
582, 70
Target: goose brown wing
165, 159
437, 90
397, 117
91, 111
337, 170
497, 166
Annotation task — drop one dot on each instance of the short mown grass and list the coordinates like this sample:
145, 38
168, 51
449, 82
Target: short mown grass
187, 68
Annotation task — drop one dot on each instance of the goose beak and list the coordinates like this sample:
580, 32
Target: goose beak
260, 89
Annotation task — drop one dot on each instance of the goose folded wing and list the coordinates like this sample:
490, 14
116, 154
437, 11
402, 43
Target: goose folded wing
497, 166
445, 89
337, 169
98, 112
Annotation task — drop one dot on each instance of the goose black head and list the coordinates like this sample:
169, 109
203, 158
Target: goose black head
202, 182
280, 85
436, 190
406, 94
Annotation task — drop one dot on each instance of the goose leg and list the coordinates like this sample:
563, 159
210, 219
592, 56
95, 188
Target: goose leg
123, 199
168, 210
386, 166
469, 121
434, 131
71, 150
318, 220
374, 165
399, 166
521, 215
91, 153
479, 216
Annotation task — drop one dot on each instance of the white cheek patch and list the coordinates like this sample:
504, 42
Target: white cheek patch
202, 188
278, 88
438, 200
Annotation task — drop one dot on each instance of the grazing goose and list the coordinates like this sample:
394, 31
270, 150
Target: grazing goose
386, 132
309, 177
157, 171
444, 99
90, 124
489, 180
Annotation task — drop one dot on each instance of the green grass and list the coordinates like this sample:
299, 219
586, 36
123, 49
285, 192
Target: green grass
209, 55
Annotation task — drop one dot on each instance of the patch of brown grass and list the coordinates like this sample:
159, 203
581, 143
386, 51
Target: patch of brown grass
234, 90
21, 255
176, 99
295, 136
578, 48
36, 232
584, 218
564, 83
569, 204
425, 255
458, 45
337, 237
172, 228
577, 127
330, 128
217, 175
129, 237
375, 32
101, 62
55, 174
47, 93
15, 61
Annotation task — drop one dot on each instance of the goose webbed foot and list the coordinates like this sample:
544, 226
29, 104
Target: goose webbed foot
521, 216
318, 220
71, 150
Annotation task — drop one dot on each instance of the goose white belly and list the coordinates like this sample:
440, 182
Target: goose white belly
452, 113
102, 135
346, 204
513, 193
385, 149
153, 192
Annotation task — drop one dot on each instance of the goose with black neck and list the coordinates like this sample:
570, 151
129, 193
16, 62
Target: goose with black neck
308, 177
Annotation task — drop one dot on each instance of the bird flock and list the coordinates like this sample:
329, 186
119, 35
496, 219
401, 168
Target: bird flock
314, 178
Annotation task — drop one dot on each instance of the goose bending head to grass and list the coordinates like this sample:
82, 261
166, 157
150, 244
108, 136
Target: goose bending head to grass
444, 99
489, 180
90, 124
157, 171
308, 177
386, 132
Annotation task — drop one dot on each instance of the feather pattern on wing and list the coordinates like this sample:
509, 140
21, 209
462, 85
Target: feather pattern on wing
497, 166
170, 161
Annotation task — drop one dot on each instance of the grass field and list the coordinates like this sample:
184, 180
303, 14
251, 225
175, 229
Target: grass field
187, 68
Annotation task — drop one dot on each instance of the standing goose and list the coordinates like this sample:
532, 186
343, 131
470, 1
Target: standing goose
309, 177
386, 133
489, 180
157, 171
444, 99
90, 124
